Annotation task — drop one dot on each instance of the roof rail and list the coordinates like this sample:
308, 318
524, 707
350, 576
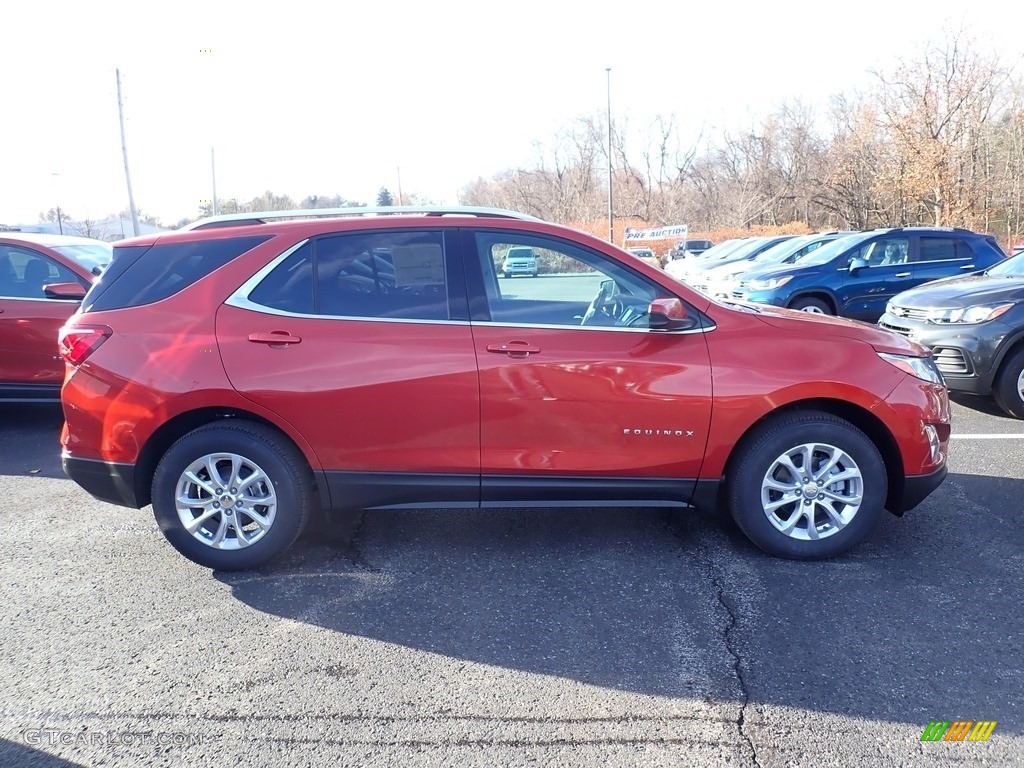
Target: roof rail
262, 217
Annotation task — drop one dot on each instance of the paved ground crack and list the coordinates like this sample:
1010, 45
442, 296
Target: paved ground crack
728, 634
731, 646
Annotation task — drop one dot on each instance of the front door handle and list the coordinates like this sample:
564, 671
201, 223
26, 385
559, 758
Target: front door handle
274, 337
514, 348
902, 274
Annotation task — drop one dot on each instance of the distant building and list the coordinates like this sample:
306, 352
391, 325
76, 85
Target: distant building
111, 229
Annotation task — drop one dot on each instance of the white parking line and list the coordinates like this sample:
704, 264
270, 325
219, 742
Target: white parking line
991, 436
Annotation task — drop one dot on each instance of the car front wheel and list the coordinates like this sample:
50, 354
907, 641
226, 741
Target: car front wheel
807, 486
812, 305
232, 495
1008, 390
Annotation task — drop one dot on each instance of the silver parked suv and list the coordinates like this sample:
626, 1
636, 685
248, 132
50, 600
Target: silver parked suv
519, 261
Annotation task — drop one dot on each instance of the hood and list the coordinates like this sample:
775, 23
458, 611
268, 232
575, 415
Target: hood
811, 325
966, 291
723, 271
768, 271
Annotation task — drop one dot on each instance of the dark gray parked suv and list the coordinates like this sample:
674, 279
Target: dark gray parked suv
974, 325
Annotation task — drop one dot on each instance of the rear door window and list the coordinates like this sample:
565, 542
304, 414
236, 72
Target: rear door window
944, 249
384, 275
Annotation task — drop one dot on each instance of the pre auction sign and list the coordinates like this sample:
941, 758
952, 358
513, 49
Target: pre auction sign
660, 233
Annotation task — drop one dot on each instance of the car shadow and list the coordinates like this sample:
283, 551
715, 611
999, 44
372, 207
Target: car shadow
981, 404
30, 439
919, 622
14, 754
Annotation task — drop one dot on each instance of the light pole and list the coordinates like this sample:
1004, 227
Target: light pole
611, 209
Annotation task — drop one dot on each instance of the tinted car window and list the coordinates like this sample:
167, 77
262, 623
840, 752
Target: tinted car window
289, 287
24, 272
386, 275
944, 248
162, 270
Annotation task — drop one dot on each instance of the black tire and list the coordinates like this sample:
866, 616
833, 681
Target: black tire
757, 456
288, 476
812, 305
1006, 390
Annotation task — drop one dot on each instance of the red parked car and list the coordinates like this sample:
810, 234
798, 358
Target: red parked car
243, 373
42, 279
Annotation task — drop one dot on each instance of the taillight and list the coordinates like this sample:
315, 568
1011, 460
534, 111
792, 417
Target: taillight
78, 342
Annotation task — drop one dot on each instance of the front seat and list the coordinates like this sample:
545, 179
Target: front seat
37, 274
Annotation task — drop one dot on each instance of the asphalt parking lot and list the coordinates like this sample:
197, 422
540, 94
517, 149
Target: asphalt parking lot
536, 637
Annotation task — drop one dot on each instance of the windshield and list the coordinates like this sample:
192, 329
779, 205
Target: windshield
826, 253
722, 248
785, 249
745, 249
1012, 267
93, 257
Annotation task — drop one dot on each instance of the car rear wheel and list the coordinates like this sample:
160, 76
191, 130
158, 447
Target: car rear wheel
1008, 391
812, 305
807, 486
232, 495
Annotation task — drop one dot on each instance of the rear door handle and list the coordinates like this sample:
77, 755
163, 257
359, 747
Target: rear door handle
514, 348
274, 337
903, 274
967, 266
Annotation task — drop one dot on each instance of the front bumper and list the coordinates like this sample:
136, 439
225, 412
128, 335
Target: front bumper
965, 354
105, 480
519, 269
916, 488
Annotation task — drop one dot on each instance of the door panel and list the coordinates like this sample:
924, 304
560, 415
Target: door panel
593, 402
28, 340
387, 381
373, 396
596, 394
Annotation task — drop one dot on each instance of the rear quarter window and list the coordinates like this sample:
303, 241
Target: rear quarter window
141, 275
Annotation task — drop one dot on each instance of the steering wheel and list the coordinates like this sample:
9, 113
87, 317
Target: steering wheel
606, 304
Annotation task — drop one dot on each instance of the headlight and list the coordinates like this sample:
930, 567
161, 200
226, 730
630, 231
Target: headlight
923, 368
770, 284
981, 313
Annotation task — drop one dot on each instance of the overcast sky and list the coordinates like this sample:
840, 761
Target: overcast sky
333, 98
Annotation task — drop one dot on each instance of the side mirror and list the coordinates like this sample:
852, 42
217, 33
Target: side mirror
669, 315
68, 291
856, 265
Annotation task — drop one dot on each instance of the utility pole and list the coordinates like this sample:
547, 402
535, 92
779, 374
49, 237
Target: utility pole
399, 170
124, 151
611, 209
213, 175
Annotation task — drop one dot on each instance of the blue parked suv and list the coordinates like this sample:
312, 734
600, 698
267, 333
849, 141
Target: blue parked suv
856, 275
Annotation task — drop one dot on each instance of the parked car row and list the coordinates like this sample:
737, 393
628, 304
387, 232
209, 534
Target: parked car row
952, 290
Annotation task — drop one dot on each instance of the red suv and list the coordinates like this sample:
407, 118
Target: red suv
42, 279
243, 373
